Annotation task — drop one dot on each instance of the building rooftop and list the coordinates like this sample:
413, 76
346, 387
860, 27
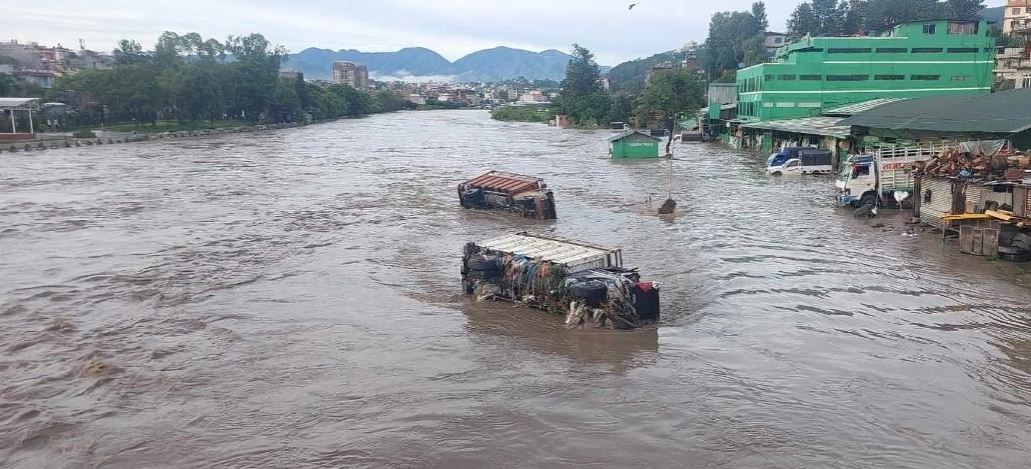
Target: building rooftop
855, 108
1004, 112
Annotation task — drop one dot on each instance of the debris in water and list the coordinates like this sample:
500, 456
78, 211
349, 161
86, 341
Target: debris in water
62, 325
667, 207
97, 368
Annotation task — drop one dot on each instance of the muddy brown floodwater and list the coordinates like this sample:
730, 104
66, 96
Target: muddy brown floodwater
289, 300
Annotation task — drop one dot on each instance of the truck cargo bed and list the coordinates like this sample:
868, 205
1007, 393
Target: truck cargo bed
585, 281
519, 193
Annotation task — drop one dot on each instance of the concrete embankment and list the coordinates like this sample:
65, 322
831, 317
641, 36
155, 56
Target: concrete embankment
46, 141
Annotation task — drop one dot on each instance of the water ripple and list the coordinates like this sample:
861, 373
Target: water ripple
289, 299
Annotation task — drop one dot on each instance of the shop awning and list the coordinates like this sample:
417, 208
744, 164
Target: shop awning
821, 125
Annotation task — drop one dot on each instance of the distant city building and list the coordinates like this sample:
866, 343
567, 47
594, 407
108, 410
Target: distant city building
41, 65
351, 73
664, 67
773, 42
690, 54
1016, 14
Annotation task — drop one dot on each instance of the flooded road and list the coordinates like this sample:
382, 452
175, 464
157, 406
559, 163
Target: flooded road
290, 300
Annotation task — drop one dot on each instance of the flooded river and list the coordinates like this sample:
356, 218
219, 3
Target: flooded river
290, 300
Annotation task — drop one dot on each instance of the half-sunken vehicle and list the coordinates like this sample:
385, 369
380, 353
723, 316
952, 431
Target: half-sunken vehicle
583, 281
497, 190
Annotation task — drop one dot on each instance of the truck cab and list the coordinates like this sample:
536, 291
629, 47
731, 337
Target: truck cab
874, 178
857, 181
800, 160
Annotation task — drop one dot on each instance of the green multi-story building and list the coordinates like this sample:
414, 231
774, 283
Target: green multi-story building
907, 61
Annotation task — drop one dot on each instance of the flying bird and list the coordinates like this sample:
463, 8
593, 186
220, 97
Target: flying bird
632, 5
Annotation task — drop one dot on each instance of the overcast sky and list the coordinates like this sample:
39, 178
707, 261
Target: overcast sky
453, 28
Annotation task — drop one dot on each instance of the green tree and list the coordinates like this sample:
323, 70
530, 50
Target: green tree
622, 109
818, 18
855, 13
129, 52
258, 61
759, 13
803, 20
582, 96
390, 101
668, 97
145, 85
755, 50
882, 13
830, 15
964, 9
7, 85
725, 46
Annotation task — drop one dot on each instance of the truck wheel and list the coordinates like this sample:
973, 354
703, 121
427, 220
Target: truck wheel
775, 173
868, 199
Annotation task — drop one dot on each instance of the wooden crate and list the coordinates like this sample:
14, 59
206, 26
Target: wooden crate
979, 239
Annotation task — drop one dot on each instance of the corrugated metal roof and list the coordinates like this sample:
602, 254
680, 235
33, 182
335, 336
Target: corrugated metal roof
629, 133
826, 126
551, 249
1005, 112
508, 183
855, 108
19, 103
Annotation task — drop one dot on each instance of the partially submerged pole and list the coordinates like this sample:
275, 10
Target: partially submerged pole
669, 205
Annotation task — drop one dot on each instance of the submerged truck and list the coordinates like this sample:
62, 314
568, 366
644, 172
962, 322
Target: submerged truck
526, 195
800, 160
583, 281
874, 178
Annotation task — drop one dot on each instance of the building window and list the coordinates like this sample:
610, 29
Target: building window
892, 50
1026, 81
928, 29
961, 78
1016, 11
962, 50
966, 27
889, 77
811, 77
809, 104
848, 50
785, 104
778, 40
927, 50
925, 77
815, 49
787, 77
768, 77
848, 77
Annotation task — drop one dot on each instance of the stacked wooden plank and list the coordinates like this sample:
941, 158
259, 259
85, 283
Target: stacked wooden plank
954, 160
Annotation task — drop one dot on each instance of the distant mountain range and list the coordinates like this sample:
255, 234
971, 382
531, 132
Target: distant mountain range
497, 64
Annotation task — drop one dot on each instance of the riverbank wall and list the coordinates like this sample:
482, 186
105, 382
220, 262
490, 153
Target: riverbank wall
53, 141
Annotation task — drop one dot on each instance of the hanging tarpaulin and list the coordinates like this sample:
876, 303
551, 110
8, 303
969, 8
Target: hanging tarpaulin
983, 147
